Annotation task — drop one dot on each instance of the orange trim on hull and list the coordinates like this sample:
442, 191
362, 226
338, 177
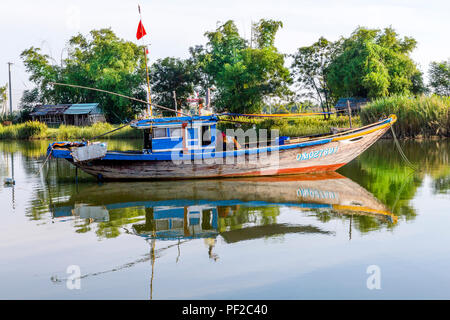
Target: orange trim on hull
316, 176
311, 169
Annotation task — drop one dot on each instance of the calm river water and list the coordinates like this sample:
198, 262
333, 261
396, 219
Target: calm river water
374, 230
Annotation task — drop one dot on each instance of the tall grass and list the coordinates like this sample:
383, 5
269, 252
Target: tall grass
26, 130
297, 127
65, 132
36, 130
417, 116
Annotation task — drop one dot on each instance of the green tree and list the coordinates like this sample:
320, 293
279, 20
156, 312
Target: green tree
101, 61
30, 98
374, 63
173, 74
439, 75
245, 77
309, 69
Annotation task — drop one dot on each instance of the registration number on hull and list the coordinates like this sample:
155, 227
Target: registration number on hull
317, 154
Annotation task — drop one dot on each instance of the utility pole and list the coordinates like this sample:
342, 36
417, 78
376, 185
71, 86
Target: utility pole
10, 95
175, 101
251, 34
349, 110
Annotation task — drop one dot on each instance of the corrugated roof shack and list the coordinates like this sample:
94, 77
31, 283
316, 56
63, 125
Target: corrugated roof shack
356, 104
83, 114
52, 115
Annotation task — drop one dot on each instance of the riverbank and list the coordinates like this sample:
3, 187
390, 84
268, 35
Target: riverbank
417, 118
287, 127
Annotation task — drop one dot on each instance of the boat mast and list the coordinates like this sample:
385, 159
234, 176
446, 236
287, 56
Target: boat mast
149, 108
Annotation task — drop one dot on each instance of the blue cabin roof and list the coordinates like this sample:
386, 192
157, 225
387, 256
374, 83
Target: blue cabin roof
146, 123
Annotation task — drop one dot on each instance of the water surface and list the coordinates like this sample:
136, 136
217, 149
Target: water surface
296, 237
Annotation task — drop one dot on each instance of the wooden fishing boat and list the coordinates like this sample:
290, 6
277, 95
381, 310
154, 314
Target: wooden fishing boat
192, 147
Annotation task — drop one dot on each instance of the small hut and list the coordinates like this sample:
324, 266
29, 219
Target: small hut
83, 114
52, 115
355, 105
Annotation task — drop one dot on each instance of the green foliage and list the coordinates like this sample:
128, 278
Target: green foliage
101, 61
244, 76
173, 74
421, 115
374, 63
30, 98
309, 68
439, 74
3, 95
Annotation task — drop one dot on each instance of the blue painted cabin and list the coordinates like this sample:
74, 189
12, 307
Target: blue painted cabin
193, 134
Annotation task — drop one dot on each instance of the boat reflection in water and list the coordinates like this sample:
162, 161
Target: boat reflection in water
233, 209
208, 208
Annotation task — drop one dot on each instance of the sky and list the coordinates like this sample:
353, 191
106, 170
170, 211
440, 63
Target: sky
174, 25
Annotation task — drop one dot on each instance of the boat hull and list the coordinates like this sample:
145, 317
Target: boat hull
320, 157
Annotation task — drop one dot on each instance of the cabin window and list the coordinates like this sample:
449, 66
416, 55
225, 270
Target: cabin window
175, 133
207, 219
159, 133
147, 139
177, 224
162, 224
206, 135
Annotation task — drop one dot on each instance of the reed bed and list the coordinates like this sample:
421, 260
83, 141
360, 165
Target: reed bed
420, 116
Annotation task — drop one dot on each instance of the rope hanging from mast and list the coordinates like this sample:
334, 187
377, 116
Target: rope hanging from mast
119, 95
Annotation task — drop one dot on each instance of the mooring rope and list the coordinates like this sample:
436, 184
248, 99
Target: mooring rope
402, 154
48, 156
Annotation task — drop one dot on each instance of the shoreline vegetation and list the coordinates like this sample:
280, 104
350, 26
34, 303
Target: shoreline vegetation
34, 130
418, 117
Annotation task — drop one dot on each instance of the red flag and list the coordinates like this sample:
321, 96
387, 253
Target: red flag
140, 31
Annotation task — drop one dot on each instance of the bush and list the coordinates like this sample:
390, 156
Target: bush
26, 130
32, 130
